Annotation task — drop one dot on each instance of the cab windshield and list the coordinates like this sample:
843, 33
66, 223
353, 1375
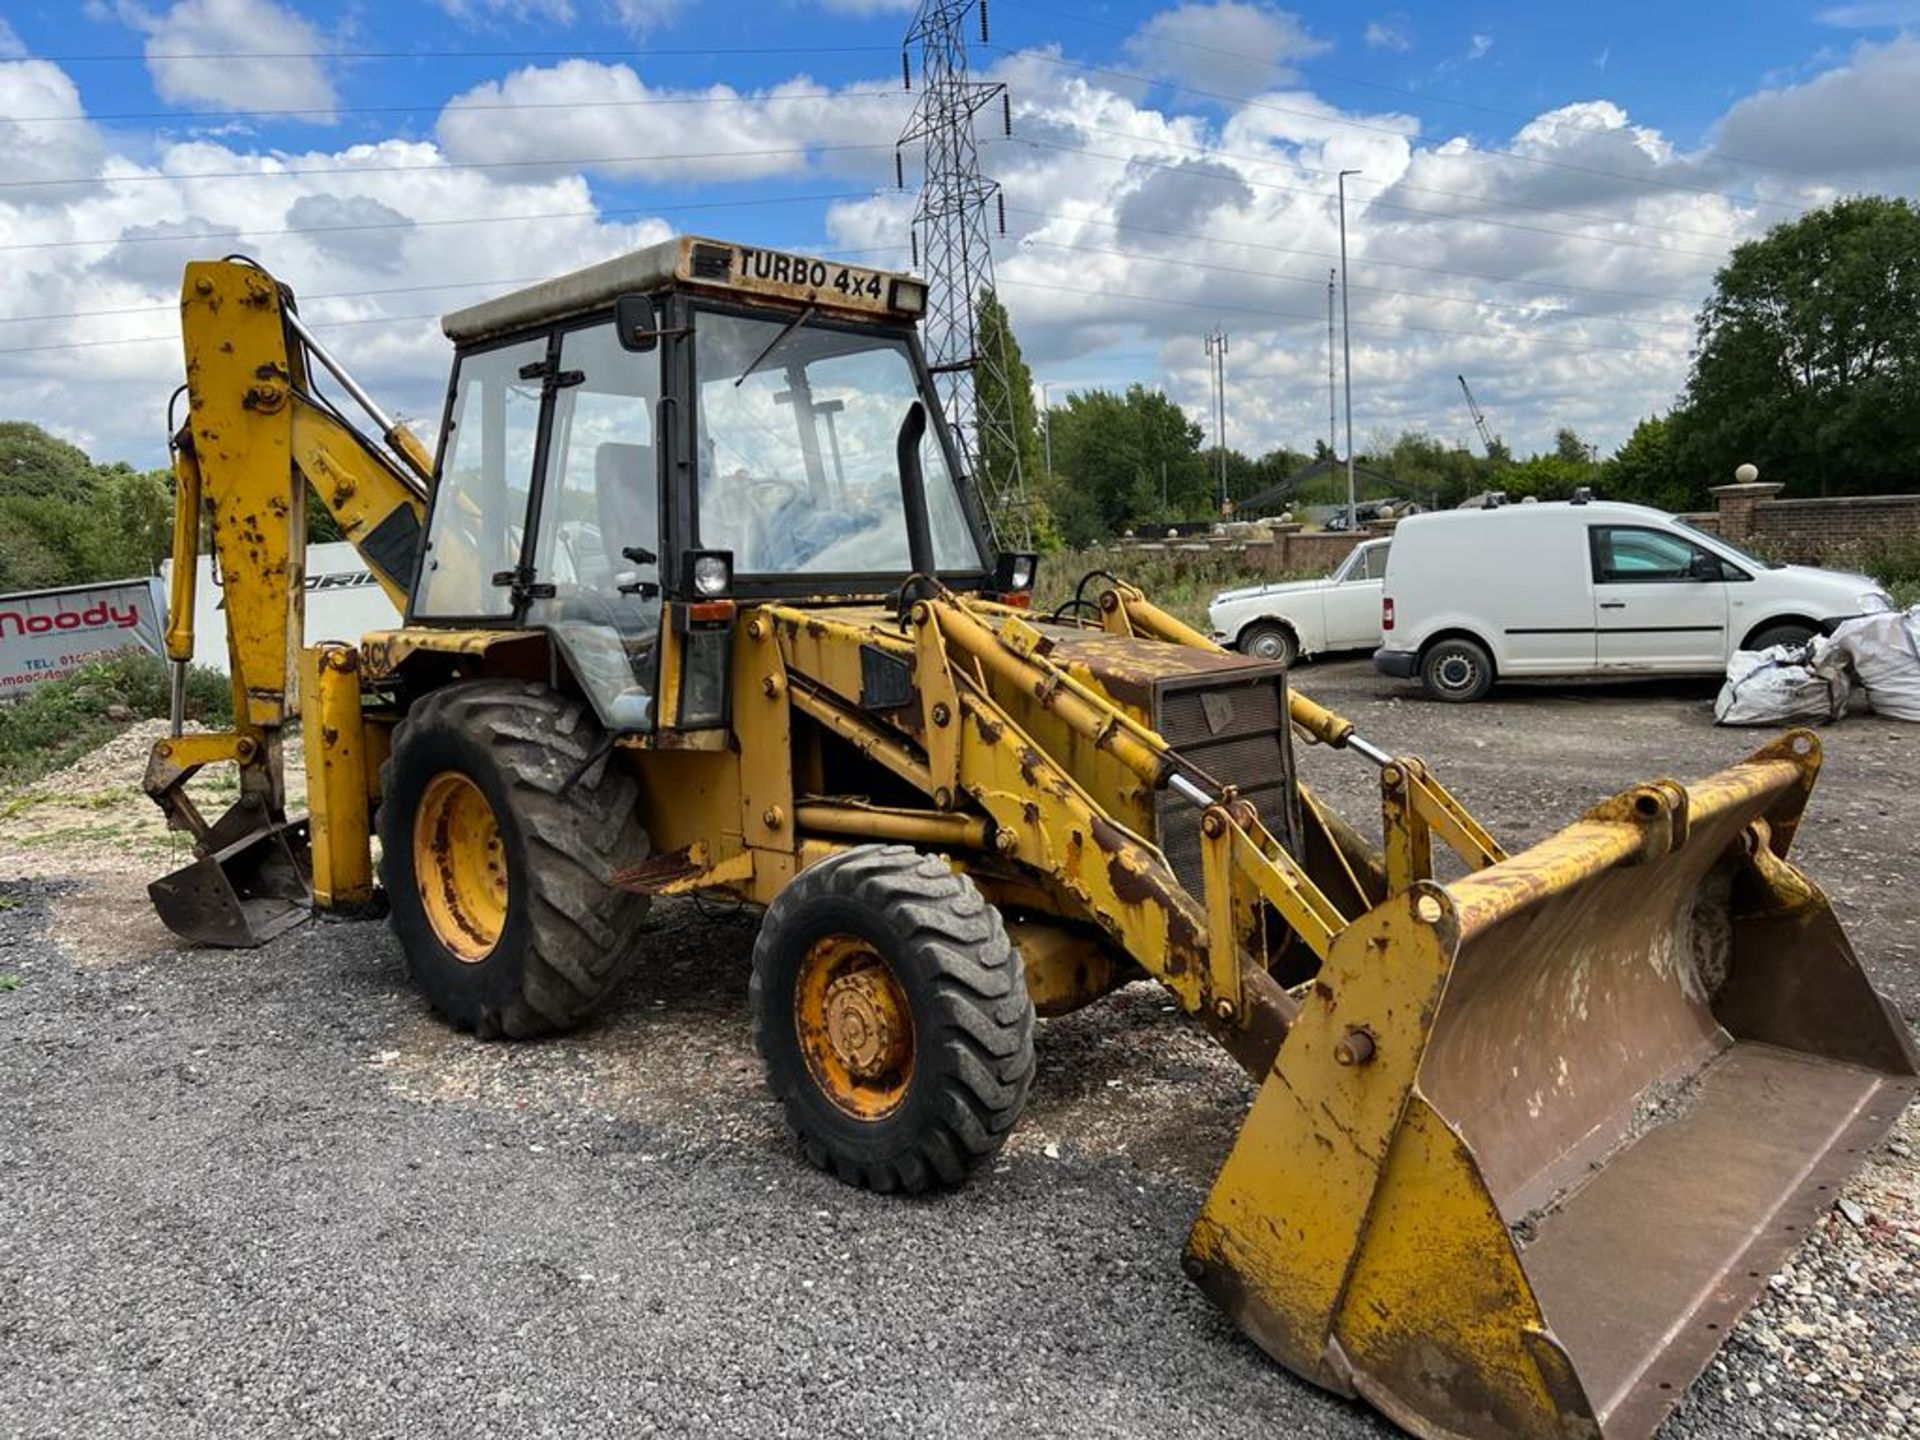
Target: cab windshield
796, 447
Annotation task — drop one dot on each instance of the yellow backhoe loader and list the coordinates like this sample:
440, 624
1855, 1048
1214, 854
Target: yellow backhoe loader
697, 601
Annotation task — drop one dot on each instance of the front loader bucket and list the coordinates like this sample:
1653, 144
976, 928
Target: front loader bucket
243, 893
1540, 1135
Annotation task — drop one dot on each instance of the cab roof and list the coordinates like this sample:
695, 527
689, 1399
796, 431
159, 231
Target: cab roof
694, 262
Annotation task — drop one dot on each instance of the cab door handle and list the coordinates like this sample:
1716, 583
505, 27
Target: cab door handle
1613, 604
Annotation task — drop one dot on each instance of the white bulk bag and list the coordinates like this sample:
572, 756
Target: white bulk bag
1785, 685
1884, 651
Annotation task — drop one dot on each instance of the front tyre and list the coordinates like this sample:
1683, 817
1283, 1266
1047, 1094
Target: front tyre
893, 1017
1268, 640
499, 872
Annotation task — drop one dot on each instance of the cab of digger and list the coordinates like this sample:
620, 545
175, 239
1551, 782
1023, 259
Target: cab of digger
664, 433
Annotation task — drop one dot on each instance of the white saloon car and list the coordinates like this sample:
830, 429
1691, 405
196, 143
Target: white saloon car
1305, 617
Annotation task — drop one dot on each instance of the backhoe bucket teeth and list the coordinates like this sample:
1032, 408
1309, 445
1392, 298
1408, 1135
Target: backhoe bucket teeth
1540, 1135
242, 894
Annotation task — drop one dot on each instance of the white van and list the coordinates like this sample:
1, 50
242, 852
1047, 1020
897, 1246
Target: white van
1587, 588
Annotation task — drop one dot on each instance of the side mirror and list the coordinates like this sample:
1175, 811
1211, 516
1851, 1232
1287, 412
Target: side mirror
636, 322
1705, 567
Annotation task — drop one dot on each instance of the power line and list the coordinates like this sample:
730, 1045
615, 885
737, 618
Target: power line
224, 235
305, 299
1186, 263
1508, 336
1288, 67
1375, 203
145, 57
501, 285
454, 105
554, 162
1386, 185
1043, 215
1368, 262
1399, 133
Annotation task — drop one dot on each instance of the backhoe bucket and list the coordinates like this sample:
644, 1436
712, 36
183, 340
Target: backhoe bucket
1540, 1135
243, 893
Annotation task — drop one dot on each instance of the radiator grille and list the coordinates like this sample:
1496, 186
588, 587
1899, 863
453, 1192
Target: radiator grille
1236, 733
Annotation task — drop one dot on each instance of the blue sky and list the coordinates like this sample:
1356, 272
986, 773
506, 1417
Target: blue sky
1545, 190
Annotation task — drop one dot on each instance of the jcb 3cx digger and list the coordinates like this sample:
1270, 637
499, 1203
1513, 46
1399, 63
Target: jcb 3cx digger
697, 601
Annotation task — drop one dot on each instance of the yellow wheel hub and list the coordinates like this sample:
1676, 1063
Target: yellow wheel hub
460, 866
854, 1025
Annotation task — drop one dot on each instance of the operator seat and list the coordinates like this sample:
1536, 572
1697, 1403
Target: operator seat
609, 638
627, 501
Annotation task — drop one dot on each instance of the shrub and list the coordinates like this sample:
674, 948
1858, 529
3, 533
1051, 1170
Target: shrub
1181, 582
60, 720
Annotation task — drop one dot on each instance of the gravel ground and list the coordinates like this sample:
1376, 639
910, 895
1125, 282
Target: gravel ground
266, 1193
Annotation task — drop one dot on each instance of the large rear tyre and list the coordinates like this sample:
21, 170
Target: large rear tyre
893, 1017
498, 872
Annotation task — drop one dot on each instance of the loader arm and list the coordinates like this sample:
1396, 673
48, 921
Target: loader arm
1520, 1135
258, 439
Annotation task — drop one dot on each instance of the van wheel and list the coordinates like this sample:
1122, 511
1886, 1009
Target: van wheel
1790, 632
1457, 670
1265, 640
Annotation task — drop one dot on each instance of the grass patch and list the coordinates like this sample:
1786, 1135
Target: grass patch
61, 720
1181, 582
9, 982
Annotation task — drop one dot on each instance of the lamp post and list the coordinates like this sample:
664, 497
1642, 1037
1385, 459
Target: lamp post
1346, 343
1046, 434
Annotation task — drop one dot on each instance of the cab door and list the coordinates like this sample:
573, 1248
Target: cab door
1352, 602
596, 546
1660, 601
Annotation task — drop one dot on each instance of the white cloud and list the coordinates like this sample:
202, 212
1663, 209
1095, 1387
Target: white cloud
869, 7
1859, 119
1873, 15
1223, 45
1390, 33
639, 16
12, 47
50, 140
1561, 277
558, 11
433, 237
1478, 46
218, 37
584, 111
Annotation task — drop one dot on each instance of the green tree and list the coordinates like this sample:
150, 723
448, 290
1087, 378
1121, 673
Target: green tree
1569, 448
65, 520
1127, 461
1646, 469
1808, 363
32, 462
999, 344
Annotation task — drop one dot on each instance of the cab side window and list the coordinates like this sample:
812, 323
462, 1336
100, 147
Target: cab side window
1374, 564
480, 505
1624, 554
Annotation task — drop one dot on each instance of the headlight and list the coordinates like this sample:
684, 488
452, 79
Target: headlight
1872, 602
1013, 572
710, 572
909, 297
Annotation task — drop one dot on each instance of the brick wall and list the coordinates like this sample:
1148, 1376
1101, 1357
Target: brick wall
1285, 554
1810, 531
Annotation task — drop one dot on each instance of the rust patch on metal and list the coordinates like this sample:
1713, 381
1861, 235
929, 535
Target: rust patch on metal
656, 872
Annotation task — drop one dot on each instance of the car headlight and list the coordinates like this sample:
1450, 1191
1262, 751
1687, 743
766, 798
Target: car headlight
1872, 602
